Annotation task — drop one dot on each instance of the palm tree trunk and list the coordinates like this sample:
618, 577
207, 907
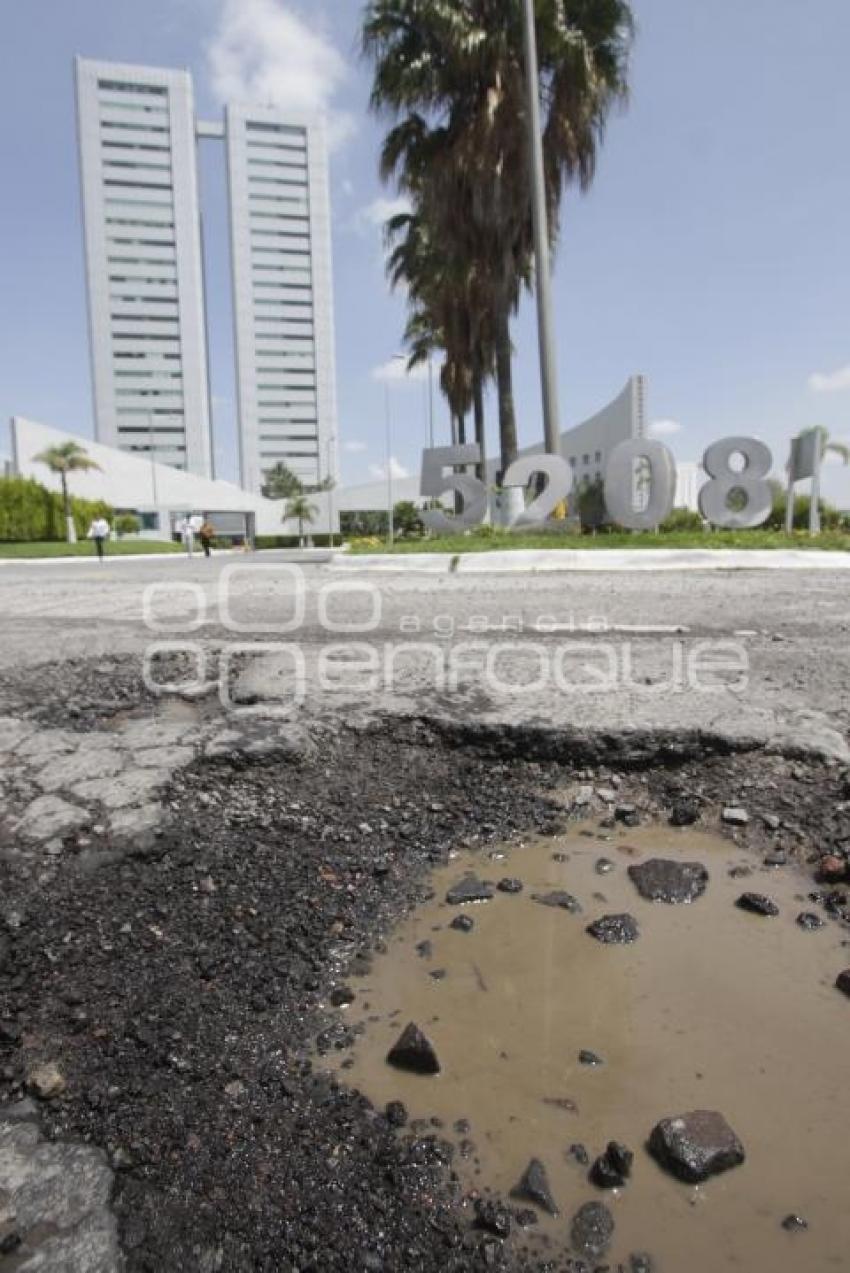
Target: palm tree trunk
70, 528
480, 424
504, 382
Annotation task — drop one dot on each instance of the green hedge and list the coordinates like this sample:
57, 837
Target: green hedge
292, 541
30, 513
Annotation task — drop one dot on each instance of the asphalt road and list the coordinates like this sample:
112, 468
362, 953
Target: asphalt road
593, 650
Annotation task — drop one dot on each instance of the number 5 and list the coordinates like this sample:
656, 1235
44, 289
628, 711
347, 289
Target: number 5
436, 483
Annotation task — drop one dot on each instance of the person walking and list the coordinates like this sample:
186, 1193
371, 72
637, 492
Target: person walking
186, 531
99, 532
206, 534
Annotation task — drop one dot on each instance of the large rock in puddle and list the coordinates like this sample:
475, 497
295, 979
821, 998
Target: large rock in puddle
470, 889
842, 981
663, 880
696, 1145
592, 1229
534, 1187
414, 1052
616, 930
757, 904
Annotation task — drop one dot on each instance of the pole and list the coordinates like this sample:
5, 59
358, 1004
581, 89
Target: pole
545, 312
331, 440
153, 458
389, 453
814, 510
430, 402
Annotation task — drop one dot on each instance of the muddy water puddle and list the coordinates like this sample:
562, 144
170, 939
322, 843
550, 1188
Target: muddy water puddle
711, 1008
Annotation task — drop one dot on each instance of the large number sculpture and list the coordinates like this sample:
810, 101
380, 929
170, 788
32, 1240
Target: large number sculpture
732, 498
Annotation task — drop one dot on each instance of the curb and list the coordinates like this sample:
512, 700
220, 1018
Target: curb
565, 560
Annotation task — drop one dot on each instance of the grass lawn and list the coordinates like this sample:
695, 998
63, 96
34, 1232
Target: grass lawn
122, 548
501, 541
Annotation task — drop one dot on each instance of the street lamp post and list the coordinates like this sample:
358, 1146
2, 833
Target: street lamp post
545, 311
389, 455
330, 475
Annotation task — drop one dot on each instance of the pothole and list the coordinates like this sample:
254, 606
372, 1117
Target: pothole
552, 1044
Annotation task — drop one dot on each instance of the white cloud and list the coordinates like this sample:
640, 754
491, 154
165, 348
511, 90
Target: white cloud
396, 370
263, 53
830, 382
664, 428
379, 471
354, 448
379, 211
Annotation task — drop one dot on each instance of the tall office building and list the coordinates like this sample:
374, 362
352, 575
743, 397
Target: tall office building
144, 262
283, 304
138, 139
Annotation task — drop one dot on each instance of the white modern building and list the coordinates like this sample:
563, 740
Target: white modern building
144, 263
283, 299
161, 495
144, 254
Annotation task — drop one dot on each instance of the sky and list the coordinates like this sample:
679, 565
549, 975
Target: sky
712, 253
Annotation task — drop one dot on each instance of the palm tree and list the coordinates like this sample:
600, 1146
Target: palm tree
451, 73
300, 507
65, 458
282, 483
829, 444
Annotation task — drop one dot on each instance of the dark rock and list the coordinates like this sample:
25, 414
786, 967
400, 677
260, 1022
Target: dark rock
696, 1145
534, 1187
792, 1223
832, 869
757, 904
437, 974
509, 886
614, 929
612, 1169
10, 1243
586, 1057
463, 923
414, 1052
525, 1217
663, 880
470, 889
809, 921
592, 1229
640, 1262
493, 1217
425, 949
396, 1114
10, 1033
777, 858
684, 814
603, 866
563, 901
579, 1153
842, 981
341, 996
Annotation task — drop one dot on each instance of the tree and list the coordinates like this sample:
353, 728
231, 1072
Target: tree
282, 483
65, 458
591, 504
300, 508
407, 519
830, 444
451, 74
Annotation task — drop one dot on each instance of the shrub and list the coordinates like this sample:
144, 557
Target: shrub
127, 524
29, 512
681, 519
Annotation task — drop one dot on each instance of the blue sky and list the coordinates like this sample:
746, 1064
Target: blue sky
712, 254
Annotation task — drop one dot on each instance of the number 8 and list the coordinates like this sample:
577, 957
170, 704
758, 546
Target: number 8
751, 481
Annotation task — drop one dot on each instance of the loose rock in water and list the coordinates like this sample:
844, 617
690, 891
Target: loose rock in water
757, 904
534, 1187
470, 889
615, 929
663, 880
696, 1145
414, 1052
592, 1229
